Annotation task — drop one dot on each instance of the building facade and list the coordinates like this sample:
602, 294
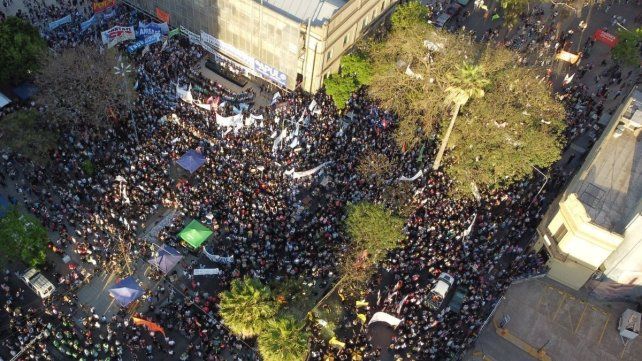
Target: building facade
286, 42
593, 231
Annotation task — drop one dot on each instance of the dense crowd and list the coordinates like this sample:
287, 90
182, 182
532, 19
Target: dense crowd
272, 225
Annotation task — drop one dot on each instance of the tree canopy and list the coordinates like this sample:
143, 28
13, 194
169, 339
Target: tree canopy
100, 97
627, 50
373, 228
23, 237
408, 15
25, 132
355, 72
247, 307
21, 50
283, 339
497, 138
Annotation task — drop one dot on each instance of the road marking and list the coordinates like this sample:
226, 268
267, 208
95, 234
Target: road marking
559, 306
599, 341
579, 322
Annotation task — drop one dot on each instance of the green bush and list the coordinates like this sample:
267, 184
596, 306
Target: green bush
22, 237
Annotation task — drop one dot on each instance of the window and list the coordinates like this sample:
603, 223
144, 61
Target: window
346, 39
560, 233
328, 55
383, 5
365, 22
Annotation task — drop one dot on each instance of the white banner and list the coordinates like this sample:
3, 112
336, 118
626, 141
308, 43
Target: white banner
210, 43
207, 272
384, 317
185, 95
279, 139
218, 259
414, 177
193, 37
204, 106
117, 34
306, 173
233, 121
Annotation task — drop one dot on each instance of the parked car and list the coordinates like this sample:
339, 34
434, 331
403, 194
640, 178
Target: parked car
37, 282
440, 291
452, 10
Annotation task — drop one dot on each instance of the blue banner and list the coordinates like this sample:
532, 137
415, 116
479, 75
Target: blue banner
86, 24
147, 41
59, 22
145, 30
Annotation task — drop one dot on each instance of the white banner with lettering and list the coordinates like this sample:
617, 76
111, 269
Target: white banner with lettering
384, 317
306, 173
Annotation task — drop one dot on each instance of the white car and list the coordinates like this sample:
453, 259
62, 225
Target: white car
37, 282
440, 290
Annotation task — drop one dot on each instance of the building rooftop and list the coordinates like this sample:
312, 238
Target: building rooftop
318, 11
610, 187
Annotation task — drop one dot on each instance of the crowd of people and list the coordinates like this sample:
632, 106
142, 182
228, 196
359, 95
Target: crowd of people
272, 225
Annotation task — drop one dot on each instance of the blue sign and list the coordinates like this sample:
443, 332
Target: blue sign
147, 41
86, 24
145, 30
59, 22
269, 72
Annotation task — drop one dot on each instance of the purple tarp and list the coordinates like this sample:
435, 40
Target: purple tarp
191, 161
167, 258
126, 291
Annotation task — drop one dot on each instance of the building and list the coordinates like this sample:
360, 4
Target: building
593, 230
282, 41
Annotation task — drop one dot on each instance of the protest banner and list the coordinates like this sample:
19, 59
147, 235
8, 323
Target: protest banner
118, 34
101, 6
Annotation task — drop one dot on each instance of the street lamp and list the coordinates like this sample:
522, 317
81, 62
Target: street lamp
122, 70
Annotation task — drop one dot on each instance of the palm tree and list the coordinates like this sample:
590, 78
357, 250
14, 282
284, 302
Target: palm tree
247, 307
467, 83
284, 340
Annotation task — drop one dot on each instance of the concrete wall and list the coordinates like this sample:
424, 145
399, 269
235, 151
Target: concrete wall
252, 29
326, 44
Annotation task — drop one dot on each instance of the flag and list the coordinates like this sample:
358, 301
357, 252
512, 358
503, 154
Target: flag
174, 32
150, 325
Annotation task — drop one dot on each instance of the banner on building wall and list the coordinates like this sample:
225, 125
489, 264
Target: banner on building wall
213, 45
606, 38
141, 43
117, 34
145, 30
269, 72
162, 15
62, 21
193, 37
103, 5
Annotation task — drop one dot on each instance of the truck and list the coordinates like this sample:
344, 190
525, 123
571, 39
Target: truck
37, 282
440, 291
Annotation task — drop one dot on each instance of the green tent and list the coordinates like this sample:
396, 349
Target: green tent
195, 234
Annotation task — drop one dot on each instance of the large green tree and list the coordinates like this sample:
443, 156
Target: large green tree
21, 50
283, 339
23, 238
27, 133
627, 50
247, 307
422, 74
409, 14
373, 228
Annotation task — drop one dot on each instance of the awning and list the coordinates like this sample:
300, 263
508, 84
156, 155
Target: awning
4, 100
167, 259
126, 291
25, 91
191, 161
195, 234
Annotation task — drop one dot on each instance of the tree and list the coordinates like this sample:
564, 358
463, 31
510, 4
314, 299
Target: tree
512, 10
357, 65
23, 237
627, 50
373, 228
467, 82
340, 88
247, 307
375, 166
99, 97
497, 139
284, 339
408, 15
25, 132
21, 50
